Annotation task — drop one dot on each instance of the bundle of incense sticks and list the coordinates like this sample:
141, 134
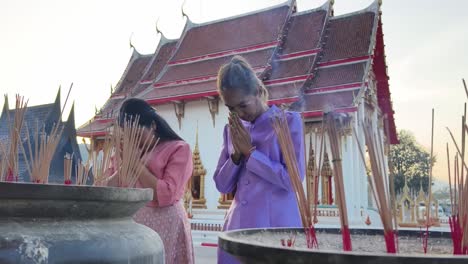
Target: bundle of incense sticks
281, 128
457, 220
15, 137
101, 161
319, 168
41, 151
129, 151
429, 200
82, 172
67, 168
335, 140
392, 184
459, 192
3, 161
378, 180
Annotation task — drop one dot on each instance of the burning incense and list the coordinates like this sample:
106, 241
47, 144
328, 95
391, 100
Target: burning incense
335, 139
281, 128
14, 137
101, 162
392, 183
67, 168
40, 156
429, 202
3, 162
318, 169
453, 219
82, 173
377, 181
130, 151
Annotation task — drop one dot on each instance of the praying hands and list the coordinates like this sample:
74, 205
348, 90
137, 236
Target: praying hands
240, 138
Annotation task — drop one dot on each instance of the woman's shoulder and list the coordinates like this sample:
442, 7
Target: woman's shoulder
177, 145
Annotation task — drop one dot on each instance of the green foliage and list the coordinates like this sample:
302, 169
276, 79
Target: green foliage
411, 162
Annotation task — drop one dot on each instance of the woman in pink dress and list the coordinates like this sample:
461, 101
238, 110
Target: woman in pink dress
167, 170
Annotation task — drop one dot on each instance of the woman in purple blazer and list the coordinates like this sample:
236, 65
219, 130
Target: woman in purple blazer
251, 163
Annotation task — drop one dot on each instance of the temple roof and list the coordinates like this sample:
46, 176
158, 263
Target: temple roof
133, 72
311, 58
139, 73
232, 33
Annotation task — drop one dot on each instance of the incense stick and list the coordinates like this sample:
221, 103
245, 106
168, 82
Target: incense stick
281, 128
377, 179
12, 172
82, 173
392, 182
3, 162
40, 158
67, 168
130, 151
335, 140
429, 199
101, 161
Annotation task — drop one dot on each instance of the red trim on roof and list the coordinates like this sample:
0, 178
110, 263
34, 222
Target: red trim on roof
320, 112
117, 96
107, 120
92, 134
283, 100
146, 81
343, 61
288, 79
225, 53
181, 97
299, 54
335, 88
196, 79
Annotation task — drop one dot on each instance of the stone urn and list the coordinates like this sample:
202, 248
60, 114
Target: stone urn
262, 246
74, 224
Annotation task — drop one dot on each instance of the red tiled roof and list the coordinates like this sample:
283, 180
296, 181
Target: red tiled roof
133, 75
304, 32
211, 67
350, 73
159, 61
348, 36
173, 91
329, 101
249, 30
92, 127
284, 90
292, 67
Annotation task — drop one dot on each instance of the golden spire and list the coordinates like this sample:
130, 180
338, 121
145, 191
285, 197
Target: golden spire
326, 168
198, 168
311, 163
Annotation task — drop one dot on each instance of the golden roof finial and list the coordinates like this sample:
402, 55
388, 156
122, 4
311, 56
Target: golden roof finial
198, 168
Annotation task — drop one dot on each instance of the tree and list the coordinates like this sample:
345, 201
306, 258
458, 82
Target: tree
411, 162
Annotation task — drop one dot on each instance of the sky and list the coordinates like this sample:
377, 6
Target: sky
49, 43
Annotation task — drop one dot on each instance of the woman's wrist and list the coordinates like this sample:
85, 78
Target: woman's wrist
251, 150
236, 158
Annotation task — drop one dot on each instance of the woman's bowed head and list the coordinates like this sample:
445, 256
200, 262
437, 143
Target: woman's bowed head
245, 96
151, 124
242, 92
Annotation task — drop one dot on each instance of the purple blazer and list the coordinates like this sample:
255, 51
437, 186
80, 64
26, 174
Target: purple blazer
264, 194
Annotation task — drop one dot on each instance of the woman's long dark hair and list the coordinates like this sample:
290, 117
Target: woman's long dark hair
134, 107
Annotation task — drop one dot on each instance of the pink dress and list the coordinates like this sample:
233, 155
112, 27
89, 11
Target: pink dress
171, 164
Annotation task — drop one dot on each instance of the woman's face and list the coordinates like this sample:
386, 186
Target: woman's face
247, 107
